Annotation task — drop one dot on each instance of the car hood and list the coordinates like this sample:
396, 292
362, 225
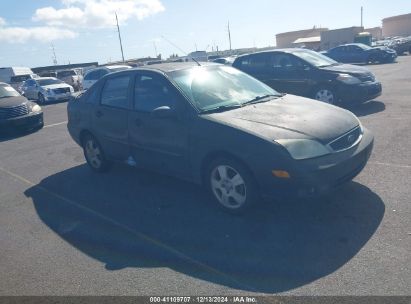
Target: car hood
56, 86
290, 117
347, 68
9, 102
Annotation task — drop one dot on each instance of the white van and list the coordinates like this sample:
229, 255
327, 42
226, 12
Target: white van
7, 73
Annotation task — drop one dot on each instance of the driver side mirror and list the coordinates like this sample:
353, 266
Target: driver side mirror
163, 112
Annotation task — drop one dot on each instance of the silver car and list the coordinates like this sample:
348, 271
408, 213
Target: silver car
47, 89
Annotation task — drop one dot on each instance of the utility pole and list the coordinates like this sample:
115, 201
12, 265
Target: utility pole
229, 34
362, 12
54, 54
155, 48
119, 38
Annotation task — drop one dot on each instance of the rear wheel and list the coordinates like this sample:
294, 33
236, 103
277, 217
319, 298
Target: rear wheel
326, 95
94, 154
231, 185
41, 99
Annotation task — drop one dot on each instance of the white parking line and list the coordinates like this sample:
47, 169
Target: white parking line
139, 235
56, 124
390, 165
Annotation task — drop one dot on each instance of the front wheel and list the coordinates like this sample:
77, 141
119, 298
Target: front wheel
94, 154
231, 185
326, 95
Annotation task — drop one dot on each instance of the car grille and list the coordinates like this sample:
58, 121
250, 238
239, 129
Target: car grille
347, 140
61, 90
6, 113
368, 77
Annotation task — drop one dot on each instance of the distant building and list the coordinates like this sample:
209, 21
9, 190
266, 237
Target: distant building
312, 43
286, 40
55, 68
376, 32
397, 26
333, 38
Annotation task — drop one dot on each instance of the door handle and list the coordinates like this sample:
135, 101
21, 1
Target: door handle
138, 122
99, 114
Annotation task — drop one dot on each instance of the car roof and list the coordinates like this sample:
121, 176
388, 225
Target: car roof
45, 78
174, 66
285, 50
115, 66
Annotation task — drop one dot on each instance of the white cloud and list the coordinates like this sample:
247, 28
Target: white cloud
2, 22
97, 13
41, 33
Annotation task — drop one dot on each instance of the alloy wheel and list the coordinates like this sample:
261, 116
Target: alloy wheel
228, 186
325, 95
93, 154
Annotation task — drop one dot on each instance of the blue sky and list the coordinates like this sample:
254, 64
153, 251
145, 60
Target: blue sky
84, 30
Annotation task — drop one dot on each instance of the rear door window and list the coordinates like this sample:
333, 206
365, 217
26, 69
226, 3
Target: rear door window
116, 92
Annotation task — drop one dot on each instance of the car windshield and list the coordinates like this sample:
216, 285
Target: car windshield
314, 58
66, 73
45, 82
7, 91
364, 46
213, 87
19, 78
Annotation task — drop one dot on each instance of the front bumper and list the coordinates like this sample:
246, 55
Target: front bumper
58, 97
323, 174
26, 122
360, 93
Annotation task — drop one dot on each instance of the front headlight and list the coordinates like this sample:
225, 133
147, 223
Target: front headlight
348, 79
303, 148
35, 108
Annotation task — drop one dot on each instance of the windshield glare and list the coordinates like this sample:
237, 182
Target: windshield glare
314, 58
45, 82
7, 91
215, 86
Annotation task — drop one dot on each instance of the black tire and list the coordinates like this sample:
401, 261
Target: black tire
97, 161
247, 189
320, 94
41, 99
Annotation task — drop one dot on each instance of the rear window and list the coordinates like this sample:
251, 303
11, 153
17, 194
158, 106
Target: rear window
19, 78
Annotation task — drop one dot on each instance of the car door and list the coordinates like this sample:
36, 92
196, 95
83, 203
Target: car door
340, 54
357, 54
110, 115
158, 142
30, 89
288, 74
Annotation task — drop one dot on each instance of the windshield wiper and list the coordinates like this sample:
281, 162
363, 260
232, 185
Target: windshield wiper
221, 108
263, 98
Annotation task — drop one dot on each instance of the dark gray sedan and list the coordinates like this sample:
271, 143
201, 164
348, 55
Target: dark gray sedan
220, 127
16, 112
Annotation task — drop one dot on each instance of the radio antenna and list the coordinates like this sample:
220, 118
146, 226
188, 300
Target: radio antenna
181, 50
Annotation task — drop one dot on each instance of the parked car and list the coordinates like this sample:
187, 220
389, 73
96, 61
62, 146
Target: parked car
310, 74
400, 45
17, 81
93, 75
71, 77
8, 72
217, 126
361, 53
47, 89
16, 112
224, 60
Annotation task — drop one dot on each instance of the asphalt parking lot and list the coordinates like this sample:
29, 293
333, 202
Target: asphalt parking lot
67, 231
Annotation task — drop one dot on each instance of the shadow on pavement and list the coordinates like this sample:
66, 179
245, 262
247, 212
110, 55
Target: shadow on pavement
7, 135
368, 108
131, 218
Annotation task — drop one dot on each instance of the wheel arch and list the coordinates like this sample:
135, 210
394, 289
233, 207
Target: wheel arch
212, 155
